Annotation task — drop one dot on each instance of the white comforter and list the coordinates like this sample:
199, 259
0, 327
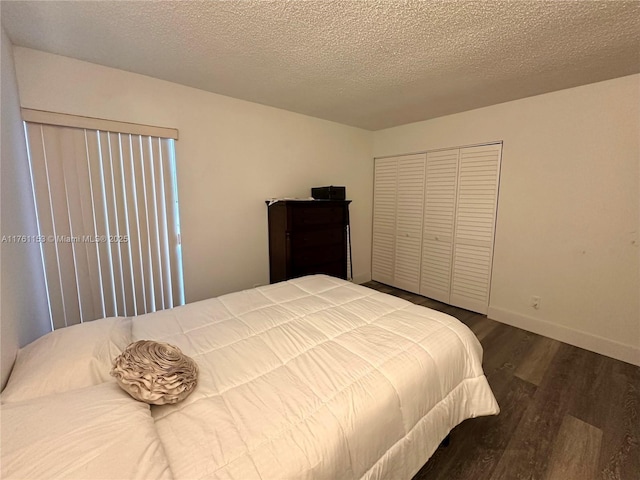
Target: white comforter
311, 378
316, 378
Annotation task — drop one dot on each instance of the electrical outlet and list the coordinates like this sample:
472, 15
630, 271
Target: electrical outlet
535, 302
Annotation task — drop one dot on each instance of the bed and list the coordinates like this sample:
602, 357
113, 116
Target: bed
312, 378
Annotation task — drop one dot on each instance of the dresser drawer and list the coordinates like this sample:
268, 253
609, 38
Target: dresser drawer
312, 215
303, 257
331, 235
335, 269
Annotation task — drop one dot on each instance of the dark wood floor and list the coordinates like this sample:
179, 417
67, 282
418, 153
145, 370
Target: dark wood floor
566, 413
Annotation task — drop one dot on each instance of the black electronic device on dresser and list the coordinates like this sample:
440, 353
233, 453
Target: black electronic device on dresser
308, 237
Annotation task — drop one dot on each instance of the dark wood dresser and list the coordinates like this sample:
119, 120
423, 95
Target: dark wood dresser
308, 237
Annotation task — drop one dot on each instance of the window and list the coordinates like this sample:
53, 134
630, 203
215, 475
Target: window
107, 207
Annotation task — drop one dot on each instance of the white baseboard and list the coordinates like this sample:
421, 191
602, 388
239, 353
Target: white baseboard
604, 346
362, 278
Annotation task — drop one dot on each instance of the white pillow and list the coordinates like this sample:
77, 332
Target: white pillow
97, 432
69, 358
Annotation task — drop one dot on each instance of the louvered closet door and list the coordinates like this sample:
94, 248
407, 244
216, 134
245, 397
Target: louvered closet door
478, 180
409, 211
384, 220
439, 217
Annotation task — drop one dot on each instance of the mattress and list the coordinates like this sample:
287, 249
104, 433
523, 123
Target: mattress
313, 378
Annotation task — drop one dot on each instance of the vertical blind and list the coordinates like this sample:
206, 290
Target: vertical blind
107, 209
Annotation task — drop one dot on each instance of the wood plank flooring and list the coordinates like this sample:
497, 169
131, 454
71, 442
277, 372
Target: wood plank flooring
566, 413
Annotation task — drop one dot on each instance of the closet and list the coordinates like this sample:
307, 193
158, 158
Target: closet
434, 223
397, 221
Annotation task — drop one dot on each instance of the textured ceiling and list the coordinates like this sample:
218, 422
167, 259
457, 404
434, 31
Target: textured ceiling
371, 64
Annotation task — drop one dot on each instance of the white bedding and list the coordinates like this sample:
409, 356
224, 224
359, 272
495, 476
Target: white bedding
89, 433
311, 378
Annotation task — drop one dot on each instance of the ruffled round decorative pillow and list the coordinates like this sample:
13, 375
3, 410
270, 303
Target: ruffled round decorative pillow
155, 372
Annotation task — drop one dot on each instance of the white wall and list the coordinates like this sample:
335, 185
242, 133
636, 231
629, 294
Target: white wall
232, 155
568, 212
23, 309
568, 215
